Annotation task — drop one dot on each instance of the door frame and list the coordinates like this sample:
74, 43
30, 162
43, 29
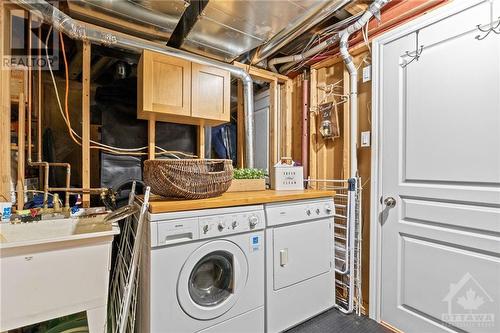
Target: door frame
449, 9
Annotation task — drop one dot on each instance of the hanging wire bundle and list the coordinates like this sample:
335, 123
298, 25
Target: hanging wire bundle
122, 302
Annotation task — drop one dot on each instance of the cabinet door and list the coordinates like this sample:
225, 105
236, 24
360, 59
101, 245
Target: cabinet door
210, 93
166, 84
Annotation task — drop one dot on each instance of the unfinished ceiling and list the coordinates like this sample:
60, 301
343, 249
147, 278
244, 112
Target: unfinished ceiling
225, 30
149, 19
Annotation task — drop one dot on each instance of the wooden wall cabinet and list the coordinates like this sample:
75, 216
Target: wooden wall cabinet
176, 90
211, 90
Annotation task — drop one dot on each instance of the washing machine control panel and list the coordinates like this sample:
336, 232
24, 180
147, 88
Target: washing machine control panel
217, 225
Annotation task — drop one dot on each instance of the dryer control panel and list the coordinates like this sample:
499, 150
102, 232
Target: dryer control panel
299, 211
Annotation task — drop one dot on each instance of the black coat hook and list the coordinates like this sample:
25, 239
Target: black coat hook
490, 28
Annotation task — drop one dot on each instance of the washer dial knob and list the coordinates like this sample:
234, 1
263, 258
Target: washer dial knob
221, 226
234, 224
253, 220
205, 228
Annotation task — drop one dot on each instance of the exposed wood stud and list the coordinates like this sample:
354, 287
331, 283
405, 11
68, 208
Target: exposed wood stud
4, 108
273, 123
262, 74
288, 115
240, 128
86, 59
313, 101
201, 142
151, 137
277, 145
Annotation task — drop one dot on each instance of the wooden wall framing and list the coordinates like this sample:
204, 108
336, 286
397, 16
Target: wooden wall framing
280, 115
330, 159
87, 49
4, 107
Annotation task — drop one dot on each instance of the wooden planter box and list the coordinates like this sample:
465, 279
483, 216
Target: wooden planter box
242, 185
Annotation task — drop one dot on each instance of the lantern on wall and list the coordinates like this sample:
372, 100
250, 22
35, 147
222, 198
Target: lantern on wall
329, 121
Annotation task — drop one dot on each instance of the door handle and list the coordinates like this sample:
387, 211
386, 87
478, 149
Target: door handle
390, 202
283, 257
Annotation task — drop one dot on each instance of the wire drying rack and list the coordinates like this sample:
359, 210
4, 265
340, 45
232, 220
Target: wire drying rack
347, 236
124, 282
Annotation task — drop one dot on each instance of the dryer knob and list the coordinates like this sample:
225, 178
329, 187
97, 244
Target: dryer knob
221, 226
205, 228
308, 212
317, 211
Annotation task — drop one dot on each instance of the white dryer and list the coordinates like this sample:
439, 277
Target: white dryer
300, 275
203, 271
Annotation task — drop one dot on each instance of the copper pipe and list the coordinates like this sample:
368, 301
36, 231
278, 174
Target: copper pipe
20, 152
68, 180
44, 165
39, 120
305, 124
30, 84
78, 190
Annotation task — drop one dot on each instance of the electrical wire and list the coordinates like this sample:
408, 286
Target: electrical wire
75, 136
364, 32
72, 133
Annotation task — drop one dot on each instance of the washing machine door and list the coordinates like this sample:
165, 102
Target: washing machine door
212, 279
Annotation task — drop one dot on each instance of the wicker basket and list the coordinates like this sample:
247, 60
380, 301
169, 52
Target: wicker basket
189, 179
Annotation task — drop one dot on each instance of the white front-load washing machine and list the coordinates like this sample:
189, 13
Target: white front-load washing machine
203, 271
300, 275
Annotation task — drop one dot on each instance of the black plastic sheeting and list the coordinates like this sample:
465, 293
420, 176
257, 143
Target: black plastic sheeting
121, 128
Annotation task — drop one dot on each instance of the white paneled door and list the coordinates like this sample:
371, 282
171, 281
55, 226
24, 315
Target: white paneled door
440, 174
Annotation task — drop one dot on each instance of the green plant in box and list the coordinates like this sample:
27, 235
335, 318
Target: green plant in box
249, 173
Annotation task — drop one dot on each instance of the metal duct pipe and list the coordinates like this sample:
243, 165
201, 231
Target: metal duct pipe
311, 18
311, 52
137, 12
293, 59
85, 32
353, 74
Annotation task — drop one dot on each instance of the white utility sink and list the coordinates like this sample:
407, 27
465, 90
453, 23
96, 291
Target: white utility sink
54, 268
50, 231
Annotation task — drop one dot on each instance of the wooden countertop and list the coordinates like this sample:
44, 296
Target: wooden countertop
159, 204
